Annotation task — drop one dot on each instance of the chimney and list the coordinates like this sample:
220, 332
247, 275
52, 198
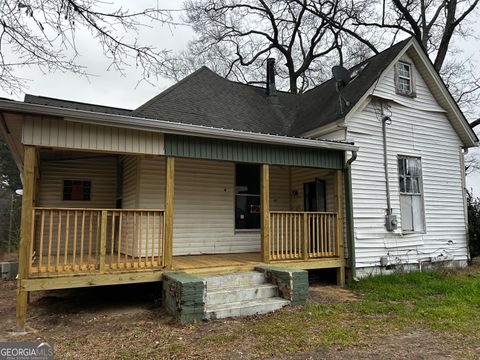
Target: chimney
271, 89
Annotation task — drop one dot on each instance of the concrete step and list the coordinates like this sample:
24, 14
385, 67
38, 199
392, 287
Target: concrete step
244, 308
240, 294
248, 278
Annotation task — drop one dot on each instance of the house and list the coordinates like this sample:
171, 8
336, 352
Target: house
213, 176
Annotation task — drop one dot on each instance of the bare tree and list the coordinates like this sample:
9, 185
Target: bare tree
235, 37
42, 33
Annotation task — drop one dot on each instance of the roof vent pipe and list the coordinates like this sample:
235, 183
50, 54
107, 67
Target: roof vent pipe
271, 89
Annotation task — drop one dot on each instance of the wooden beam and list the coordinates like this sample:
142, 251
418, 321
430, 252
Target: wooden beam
68, 282
305, 238
26, 231
169, 208
103, 240
265, 207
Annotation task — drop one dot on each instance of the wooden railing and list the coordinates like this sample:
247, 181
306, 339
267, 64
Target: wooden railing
303, 235
99, 240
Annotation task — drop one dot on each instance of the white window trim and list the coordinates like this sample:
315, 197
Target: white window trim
421, 194
412, 92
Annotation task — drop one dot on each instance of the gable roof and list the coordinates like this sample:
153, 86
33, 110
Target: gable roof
206, 99
320, 105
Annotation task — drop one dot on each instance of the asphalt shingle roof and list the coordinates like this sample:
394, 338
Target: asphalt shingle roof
43, 100
207, 99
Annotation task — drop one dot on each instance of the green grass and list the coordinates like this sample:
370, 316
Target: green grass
437, 300
446, 300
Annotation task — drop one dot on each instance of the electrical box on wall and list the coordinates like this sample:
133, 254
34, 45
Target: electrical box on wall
391, 222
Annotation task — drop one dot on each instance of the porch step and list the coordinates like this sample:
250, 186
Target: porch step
240, 294
248, 278
245, 308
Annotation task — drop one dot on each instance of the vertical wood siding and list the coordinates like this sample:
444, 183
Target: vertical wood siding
419, 128
53, 132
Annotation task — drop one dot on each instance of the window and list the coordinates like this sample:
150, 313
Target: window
404, 79
411, 198
77, 190
247, 196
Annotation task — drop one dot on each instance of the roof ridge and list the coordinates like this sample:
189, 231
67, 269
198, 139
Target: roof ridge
174, 86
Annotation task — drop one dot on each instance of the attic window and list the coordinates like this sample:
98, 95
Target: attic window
404, 79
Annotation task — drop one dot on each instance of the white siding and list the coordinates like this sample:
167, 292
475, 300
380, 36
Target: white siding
130, 185
204, 218
416, 130
301, 176
102, 174
100, 171
280, 188
57, 133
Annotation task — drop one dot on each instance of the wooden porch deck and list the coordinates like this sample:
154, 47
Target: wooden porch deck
193, 264
225, 263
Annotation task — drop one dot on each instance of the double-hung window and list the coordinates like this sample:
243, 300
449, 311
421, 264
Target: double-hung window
404, 79
247, 196
411, 197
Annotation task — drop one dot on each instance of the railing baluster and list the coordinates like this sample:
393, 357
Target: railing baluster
40, 248
147, 239
67, 233
50, 233
82, 240
90, 234
119, 237
75, 228
127, 221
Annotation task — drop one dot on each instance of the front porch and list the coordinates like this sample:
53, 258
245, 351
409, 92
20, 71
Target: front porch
173, 214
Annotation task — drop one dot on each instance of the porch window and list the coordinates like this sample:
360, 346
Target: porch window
76, 190
411, 194
247, 196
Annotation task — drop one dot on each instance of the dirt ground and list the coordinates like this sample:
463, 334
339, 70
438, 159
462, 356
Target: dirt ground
126, 323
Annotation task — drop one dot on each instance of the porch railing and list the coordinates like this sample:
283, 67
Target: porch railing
303, 235
98, 240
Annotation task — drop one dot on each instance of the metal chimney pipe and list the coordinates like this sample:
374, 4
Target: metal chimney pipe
271, 88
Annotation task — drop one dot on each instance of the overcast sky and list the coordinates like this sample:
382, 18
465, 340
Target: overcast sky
111, 88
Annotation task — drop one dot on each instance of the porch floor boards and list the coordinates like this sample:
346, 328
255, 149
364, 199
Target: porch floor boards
192, 264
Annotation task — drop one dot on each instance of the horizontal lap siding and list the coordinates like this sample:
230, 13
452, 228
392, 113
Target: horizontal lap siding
58, 133
279, 188
204, 218
414, 131
102, 174
300, 176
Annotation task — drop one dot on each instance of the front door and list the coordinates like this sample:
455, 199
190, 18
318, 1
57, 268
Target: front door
314, 196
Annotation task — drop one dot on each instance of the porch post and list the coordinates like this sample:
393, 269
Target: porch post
169, 198
265, 206
340, 224
26, 232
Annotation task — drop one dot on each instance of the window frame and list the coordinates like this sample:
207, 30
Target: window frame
411, 78
412, 194
73, 180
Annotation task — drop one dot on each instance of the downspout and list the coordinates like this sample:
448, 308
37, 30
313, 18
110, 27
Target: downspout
349, 213
385, 162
